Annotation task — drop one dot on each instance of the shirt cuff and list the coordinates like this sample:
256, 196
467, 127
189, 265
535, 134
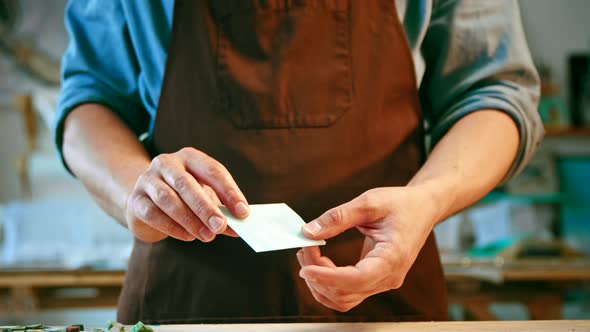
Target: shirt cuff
72, 97
530, 127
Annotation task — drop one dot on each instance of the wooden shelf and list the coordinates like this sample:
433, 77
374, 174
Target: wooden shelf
568, 131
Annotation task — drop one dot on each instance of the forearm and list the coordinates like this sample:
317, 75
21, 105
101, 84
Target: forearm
468, 162
105, 155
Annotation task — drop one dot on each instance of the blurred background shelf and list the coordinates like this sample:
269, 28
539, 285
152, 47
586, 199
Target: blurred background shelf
568, 131
541, 198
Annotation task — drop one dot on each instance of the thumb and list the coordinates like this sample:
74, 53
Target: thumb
336, 221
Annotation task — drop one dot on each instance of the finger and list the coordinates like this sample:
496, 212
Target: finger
331, 294
313, 256
368, 273
212, 195
321, 298
304, 258
146, 211
338, 277
310, 256
300, 258
215, 175
361, 210
307, 256
337, 295
378, 270
325, 261
168, 201
195, 197
342, 307
230, 232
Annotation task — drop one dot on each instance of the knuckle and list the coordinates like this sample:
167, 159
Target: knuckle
333, 217
181, 182
190, 222
133, 201
224, 172
231, 195
190, 152
202, 209
141, 180
161, 160
163, 197
146, 211
213, 170
368, 202
187, 150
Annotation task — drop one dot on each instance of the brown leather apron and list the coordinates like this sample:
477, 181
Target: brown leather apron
308, 102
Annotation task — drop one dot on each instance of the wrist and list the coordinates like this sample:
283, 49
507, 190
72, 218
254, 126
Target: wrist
439, 196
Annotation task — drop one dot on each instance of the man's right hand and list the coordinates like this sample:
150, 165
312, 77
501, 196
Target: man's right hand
179, 196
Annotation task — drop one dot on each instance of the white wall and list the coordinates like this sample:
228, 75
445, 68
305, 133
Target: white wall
555, 29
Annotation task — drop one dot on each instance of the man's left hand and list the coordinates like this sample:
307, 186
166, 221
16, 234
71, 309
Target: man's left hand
396, 222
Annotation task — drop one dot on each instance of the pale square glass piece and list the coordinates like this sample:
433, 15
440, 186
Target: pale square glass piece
271, 227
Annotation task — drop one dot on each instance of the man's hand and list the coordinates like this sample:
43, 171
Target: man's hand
395, 221
179, 196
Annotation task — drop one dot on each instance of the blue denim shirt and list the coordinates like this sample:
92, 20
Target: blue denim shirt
469, 55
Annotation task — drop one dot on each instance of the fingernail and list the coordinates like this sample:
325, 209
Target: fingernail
313, 227
206, 234
241, 210
215, 223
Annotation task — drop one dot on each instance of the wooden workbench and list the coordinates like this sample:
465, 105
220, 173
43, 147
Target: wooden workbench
474, 286
508, 326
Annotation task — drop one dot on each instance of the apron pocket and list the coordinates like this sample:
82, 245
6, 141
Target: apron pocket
283, 64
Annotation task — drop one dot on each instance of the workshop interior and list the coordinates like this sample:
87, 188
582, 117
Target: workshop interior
522, 253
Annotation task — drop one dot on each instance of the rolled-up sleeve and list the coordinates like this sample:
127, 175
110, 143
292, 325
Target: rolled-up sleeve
99, 65
477, 58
